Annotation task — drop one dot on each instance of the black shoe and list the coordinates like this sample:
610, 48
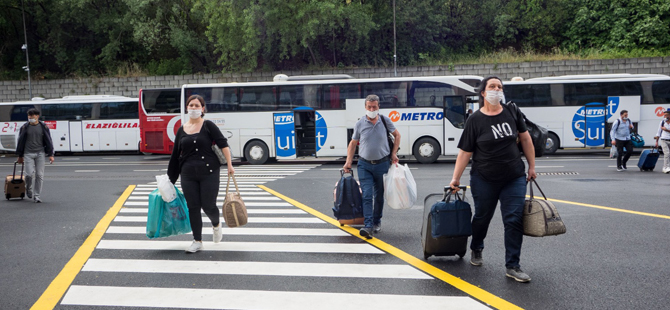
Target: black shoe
624, 167
366, 232
476, 258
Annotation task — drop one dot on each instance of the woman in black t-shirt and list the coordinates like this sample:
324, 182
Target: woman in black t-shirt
198, 165
497, 173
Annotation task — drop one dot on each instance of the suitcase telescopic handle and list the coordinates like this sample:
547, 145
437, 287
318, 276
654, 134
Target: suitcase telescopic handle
14, 173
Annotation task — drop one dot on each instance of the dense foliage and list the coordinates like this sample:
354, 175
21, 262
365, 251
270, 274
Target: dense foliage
160, 37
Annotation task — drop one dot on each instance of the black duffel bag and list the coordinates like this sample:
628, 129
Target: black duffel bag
537, 133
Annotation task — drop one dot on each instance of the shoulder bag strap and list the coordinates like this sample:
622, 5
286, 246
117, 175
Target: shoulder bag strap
384, 122
237, 189
538, 187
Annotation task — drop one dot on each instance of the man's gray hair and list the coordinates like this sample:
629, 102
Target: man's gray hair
371, 98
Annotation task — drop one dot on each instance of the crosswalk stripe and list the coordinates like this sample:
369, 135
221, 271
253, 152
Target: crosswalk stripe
249, 211
248, 198
191, 298
246, 231
229, 246
255, 268
248, 204
218, 198
252, 220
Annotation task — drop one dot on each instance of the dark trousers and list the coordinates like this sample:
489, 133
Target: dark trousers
620, 144
200, 190
511, 196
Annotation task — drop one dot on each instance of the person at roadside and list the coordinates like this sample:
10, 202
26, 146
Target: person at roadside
375, 158
199, 167
620, 134
497, 173
663, 138
33, 147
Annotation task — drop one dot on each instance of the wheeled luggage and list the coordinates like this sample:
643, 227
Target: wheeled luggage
15, 185
648, 159
348, 200
450, 220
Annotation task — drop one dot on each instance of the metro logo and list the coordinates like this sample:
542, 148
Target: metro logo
110, 125
416, 116
659, 111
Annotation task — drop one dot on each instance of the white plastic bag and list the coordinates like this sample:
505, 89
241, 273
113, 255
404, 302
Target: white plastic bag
399, 187
166, 188
613, 152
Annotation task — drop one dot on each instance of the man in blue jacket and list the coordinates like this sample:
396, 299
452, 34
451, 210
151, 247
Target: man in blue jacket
620, 134
33, 147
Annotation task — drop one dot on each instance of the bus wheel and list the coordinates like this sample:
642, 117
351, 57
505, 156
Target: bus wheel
256, 152
426, 150
552, 144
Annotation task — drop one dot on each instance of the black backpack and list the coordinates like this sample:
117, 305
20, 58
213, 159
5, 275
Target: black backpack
348, 203
538, 134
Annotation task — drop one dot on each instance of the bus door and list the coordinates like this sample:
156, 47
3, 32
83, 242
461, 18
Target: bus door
76, 137
60, 135
595, 118
305, 131
454, 122
284, 135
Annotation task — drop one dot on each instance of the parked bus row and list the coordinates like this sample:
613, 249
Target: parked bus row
292, 117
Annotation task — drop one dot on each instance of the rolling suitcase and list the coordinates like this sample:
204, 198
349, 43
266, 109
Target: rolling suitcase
648, 159
15, 185
460, 220
348, 200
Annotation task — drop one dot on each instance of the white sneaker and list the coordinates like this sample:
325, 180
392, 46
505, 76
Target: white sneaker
218, 234
195, 247
666, 170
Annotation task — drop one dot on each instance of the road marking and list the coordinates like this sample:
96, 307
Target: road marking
156, 170
252, 220
60, 284
87, 171
108, 158
245, 231
249, 211
220, 197
300, 269
247, 246
190, 298
248, 204
667, 217
472, 290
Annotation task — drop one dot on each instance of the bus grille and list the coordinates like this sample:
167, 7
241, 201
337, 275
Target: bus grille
8, 141
154, 140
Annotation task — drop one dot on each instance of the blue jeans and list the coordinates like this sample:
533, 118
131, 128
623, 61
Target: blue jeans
511, 196
372, 184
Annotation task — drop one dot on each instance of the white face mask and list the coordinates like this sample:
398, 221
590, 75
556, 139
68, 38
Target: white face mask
193, 114
32, 120
372, 114
494, 96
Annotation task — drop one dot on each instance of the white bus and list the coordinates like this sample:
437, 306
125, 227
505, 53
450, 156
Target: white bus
579, 111
315, 115
77, 123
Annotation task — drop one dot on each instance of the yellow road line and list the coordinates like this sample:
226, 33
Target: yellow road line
610, 209
61, 283
472, 290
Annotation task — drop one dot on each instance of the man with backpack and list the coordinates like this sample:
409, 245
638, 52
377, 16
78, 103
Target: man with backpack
620, 135
375, 158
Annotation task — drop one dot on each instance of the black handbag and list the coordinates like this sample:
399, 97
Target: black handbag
538, 134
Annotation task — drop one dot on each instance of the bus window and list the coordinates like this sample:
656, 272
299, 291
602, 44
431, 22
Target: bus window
428, 94
67, 112
161, 100
117, 110
16, 113
661, 91
335, 95
455, 110
258, 98
292, 96
391, 94
222, 99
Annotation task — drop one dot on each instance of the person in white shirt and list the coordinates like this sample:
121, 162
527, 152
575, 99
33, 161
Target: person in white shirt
663, 136
620, 134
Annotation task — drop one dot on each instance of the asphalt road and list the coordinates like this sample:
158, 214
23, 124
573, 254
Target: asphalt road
612, 257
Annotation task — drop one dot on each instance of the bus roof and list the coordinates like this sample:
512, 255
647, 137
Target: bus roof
453, 79
598, 76
73, 99
593, 79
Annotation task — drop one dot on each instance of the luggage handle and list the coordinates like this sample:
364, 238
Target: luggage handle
446, 197
14, 172
351, 171
237, 189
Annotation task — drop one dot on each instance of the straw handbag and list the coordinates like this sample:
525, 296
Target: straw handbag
540, 217
234, 210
